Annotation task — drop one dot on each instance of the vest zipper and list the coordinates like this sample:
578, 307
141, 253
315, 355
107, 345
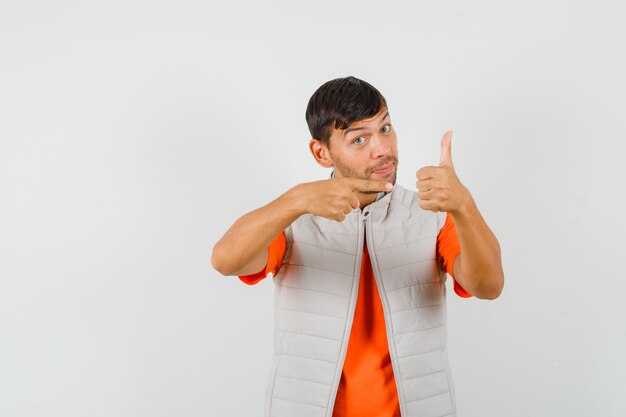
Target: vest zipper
386, 313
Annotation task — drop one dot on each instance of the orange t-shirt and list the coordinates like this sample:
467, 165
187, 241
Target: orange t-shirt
367, 385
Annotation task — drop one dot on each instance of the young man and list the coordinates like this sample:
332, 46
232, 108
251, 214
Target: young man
359, 265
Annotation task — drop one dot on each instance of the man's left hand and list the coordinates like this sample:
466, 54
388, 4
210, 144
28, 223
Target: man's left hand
439, 189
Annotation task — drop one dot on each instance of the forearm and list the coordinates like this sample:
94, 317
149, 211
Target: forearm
478, 268
252, 233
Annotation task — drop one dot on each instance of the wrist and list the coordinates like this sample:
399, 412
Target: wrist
466, 208
295, 201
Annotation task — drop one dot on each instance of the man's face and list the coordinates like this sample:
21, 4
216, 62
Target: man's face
366, 146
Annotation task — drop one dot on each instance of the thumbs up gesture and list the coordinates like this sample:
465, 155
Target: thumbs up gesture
439, 189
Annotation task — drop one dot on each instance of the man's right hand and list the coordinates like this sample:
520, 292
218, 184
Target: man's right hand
334, 198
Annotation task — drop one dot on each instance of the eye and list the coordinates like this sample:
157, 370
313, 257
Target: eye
355, 140
388, 126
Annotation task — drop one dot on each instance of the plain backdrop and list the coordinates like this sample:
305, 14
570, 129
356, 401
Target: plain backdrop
134, 133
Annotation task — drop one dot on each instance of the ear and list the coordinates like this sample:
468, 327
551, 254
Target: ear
321, 153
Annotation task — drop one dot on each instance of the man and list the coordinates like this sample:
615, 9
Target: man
359, 265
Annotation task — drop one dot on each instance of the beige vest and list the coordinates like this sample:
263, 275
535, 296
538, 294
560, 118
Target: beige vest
315, 296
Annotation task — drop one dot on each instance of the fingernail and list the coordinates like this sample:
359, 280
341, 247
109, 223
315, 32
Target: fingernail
389, 186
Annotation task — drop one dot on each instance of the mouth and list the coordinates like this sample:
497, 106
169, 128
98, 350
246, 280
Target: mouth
386, 169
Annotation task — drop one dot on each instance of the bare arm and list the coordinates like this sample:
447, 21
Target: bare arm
243, 249
478, 268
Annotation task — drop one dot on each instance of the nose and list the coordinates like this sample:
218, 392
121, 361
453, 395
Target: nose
379, 147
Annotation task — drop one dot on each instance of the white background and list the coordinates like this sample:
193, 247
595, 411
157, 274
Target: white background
133, 134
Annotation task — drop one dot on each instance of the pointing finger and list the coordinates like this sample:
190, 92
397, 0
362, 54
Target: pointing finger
358, 184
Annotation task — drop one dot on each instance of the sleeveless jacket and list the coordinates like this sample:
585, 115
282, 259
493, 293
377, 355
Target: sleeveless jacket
315, 296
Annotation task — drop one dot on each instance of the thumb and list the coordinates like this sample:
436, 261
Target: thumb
446, 149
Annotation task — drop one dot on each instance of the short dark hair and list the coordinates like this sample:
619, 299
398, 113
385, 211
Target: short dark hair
340, 102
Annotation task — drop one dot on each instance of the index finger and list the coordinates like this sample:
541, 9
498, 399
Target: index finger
425, 173
358, 184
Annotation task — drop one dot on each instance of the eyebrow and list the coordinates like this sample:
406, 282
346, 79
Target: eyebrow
345, 132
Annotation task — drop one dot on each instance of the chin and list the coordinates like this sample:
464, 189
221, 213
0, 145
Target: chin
391, 177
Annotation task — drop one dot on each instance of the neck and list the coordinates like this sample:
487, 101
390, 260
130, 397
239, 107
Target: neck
366, 199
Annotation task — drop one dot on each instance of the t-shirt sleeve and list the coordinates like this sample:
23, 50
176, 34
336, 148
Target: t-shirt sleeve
277, 250
448, 248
